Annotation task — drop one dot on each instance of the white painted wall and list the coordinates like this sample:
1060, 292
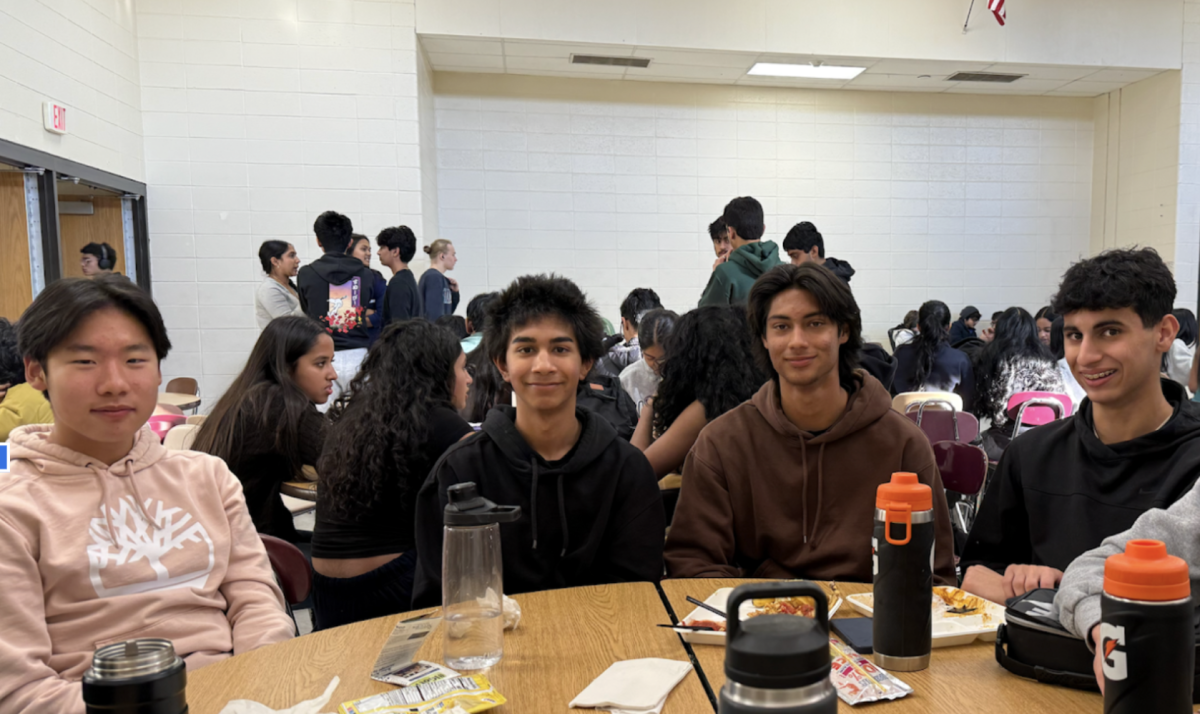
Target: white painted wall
967, 199
1119, 33
260, 115
82, 53
1187, 224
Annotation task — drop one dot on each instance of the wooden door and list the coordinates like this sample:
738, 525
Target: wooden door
16, 287
103, 226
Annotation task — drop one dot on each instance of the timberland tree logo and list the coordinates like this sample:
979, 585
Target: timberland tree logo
144, 559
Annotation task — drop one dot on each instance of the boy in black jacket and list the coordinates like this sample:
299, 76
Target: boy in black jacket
337, 289
1132, 445
591, 511
397, 246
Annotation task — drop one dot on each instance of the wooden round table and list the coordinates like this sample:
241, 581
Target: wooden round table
178, 399
305, 490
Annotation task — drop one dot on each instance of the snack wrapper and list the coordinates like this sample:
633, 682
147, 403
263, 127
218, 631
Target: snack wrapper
858, 680
470, 694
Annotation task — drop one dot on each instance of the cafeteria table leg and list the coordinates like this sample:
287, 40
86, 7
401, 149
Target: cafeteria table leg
712, 697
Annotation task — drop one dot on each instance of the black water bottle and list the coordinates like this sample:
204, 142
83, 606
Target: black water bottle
902, 564
142, 676
777, 664
1146, 632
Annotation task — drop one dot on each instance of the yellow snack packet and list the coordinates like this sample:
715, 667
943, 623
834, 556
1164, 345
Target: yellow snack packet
473, 693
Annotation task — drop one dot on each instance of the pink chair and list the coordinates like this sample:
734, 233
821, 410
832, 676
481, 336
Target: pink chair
162, 423
942, 422
1037, 408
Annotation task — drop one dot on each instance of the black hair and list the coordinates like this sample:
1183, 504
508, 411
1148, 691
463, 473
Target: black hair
745, 216
803, 236
655, 327
380, 426
1016, 337
912, 319
716, 230
333, 231
264, 397
1058, 347
934, 321
12, 367
1045, 313
477, 310
106, 255
709, 360
63, 306
398, 238
454, 324
271, 249
489, 389
1130, 277
833, 297
1188, 329
531, 297
355, 239
996, 317
638, 302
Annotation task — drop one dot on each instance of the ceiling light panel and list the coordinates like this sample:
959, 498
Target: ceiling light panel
807, 71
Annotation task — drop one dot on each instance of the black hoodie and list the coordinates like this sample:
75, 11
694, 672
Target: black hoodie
336, 291
1059, 491
596, 516
840, 268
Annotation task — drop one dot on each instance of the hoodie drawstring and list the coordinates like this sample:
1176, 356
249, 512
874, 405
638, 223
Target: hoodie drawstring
562, 508
804, 487
562, 515
820, 489
804, 490
137, 497
533, 516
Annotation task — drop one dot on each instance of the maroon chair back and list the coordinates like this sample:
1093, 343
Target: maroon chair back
291, 568
943, 425
963, 466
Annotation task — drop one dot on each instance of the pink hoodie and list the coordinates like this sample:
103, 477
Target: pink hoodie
160, 544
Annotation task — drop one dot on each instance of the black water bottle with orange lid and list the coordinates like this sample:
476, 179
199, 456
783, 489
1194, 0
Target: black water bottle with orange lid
1146, 632
902, 561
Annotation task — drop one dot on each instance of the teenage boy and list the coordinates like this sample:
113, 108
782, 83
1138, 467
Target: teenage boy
97, 259
625, 350
751, 257
591, 511
339, 289
476, 318
719, 233
964, 327
402, 301
1133, 445
784, 485
106, 535
804, 244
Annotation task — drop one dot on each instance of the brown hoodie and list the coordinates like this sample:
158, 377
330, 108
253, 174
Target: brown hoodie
763, 499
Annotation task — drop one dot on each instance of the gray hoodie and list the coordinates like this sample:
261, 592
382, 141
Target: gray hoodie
1078, 598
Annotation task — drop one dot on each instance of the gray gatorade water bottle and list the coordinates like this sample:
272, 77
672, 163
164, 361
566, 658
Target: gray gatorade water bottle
142, 676
1146, 633
902, 560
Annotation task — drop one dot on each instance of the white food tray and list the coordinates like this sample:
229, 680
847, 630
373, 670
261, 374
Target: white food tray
948, 630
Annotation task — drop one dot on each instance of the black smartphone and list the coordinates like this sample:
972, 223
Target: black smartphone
854, 631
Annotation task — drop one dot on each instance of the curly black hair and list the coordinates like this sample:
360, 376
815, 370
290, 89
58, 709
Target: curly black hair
398, 238
380, 425
708, 360
12, 367
1132, 277
803, 236
333, 231
531, 297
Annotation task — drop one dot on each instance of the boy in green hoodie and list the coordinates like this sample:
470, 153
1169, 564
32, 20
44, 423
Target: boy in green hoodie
751, 257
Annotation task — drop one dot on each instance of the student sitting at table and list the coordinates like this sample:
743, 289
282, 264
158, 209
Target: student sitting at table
927, 362
591, 511
640, 380
783, 486
400, 416
20, 404
106, 535
266, 426
710, 371
1133, 445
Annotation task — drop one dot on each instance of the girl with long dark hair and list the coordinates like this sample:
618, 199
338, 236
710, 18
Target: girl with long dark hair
1015, 361
266, 426
928, 363
277, 296
360, 247
400, 414
709, 369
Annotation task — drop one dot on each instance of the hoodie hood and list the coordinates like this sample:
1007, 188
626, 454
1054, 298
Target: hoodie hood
594, 439
337, 269
756, 258
1183, 426
840, 268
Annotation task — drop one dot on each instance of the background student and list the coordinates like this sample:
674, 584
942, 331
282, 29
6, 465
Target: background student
476, 319
265, 426
360, 247
640, 380
623, 349
1045, 322
710, 369
751, 256
929, 364
439, 292
804, 244
402, 301
400, 415
20, 404
276, 295
1015, 361
719, 233
97, 259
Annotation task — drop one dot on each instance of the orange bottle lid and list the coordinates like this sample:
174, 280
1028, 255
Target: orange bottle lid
1146, 572
905, 492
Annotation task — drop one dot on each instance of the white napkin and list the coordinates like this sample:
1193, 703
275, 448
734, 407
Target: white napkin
312, 706
635, 686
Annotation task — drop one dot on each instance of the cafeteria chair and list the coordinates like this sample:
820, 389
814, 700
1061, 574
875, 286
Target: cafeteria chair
943, 423
964, 471
1029, 409
161, 424
901, 401
669, 486
185, 385
167, 409
292, 571
180, 438
196, 419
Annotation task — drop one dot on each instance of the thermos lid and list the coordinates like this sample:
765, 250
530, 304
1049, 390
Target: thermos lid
132, 658
904, 489
468, 508
1146, 572
778, 652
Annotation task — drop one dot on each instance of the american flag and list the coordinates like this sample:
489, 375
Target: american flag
997, 8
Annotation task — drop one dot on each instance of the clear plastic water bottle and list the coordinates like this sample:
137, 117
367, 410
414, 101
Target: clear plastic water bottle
472, 578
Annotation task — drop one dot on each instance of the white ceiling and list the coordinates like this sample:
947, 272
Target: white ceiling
473, 54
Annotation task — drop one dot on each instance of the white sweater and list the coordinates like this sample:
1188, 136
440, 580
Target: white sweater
272, 300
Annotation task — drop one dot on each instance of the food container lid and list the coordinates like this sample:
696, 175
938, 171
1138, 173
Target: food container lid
904, 489
132, 658
1146, 572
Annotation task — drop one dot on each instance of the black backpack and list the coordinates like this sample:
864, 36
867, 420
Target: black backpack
604, 396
